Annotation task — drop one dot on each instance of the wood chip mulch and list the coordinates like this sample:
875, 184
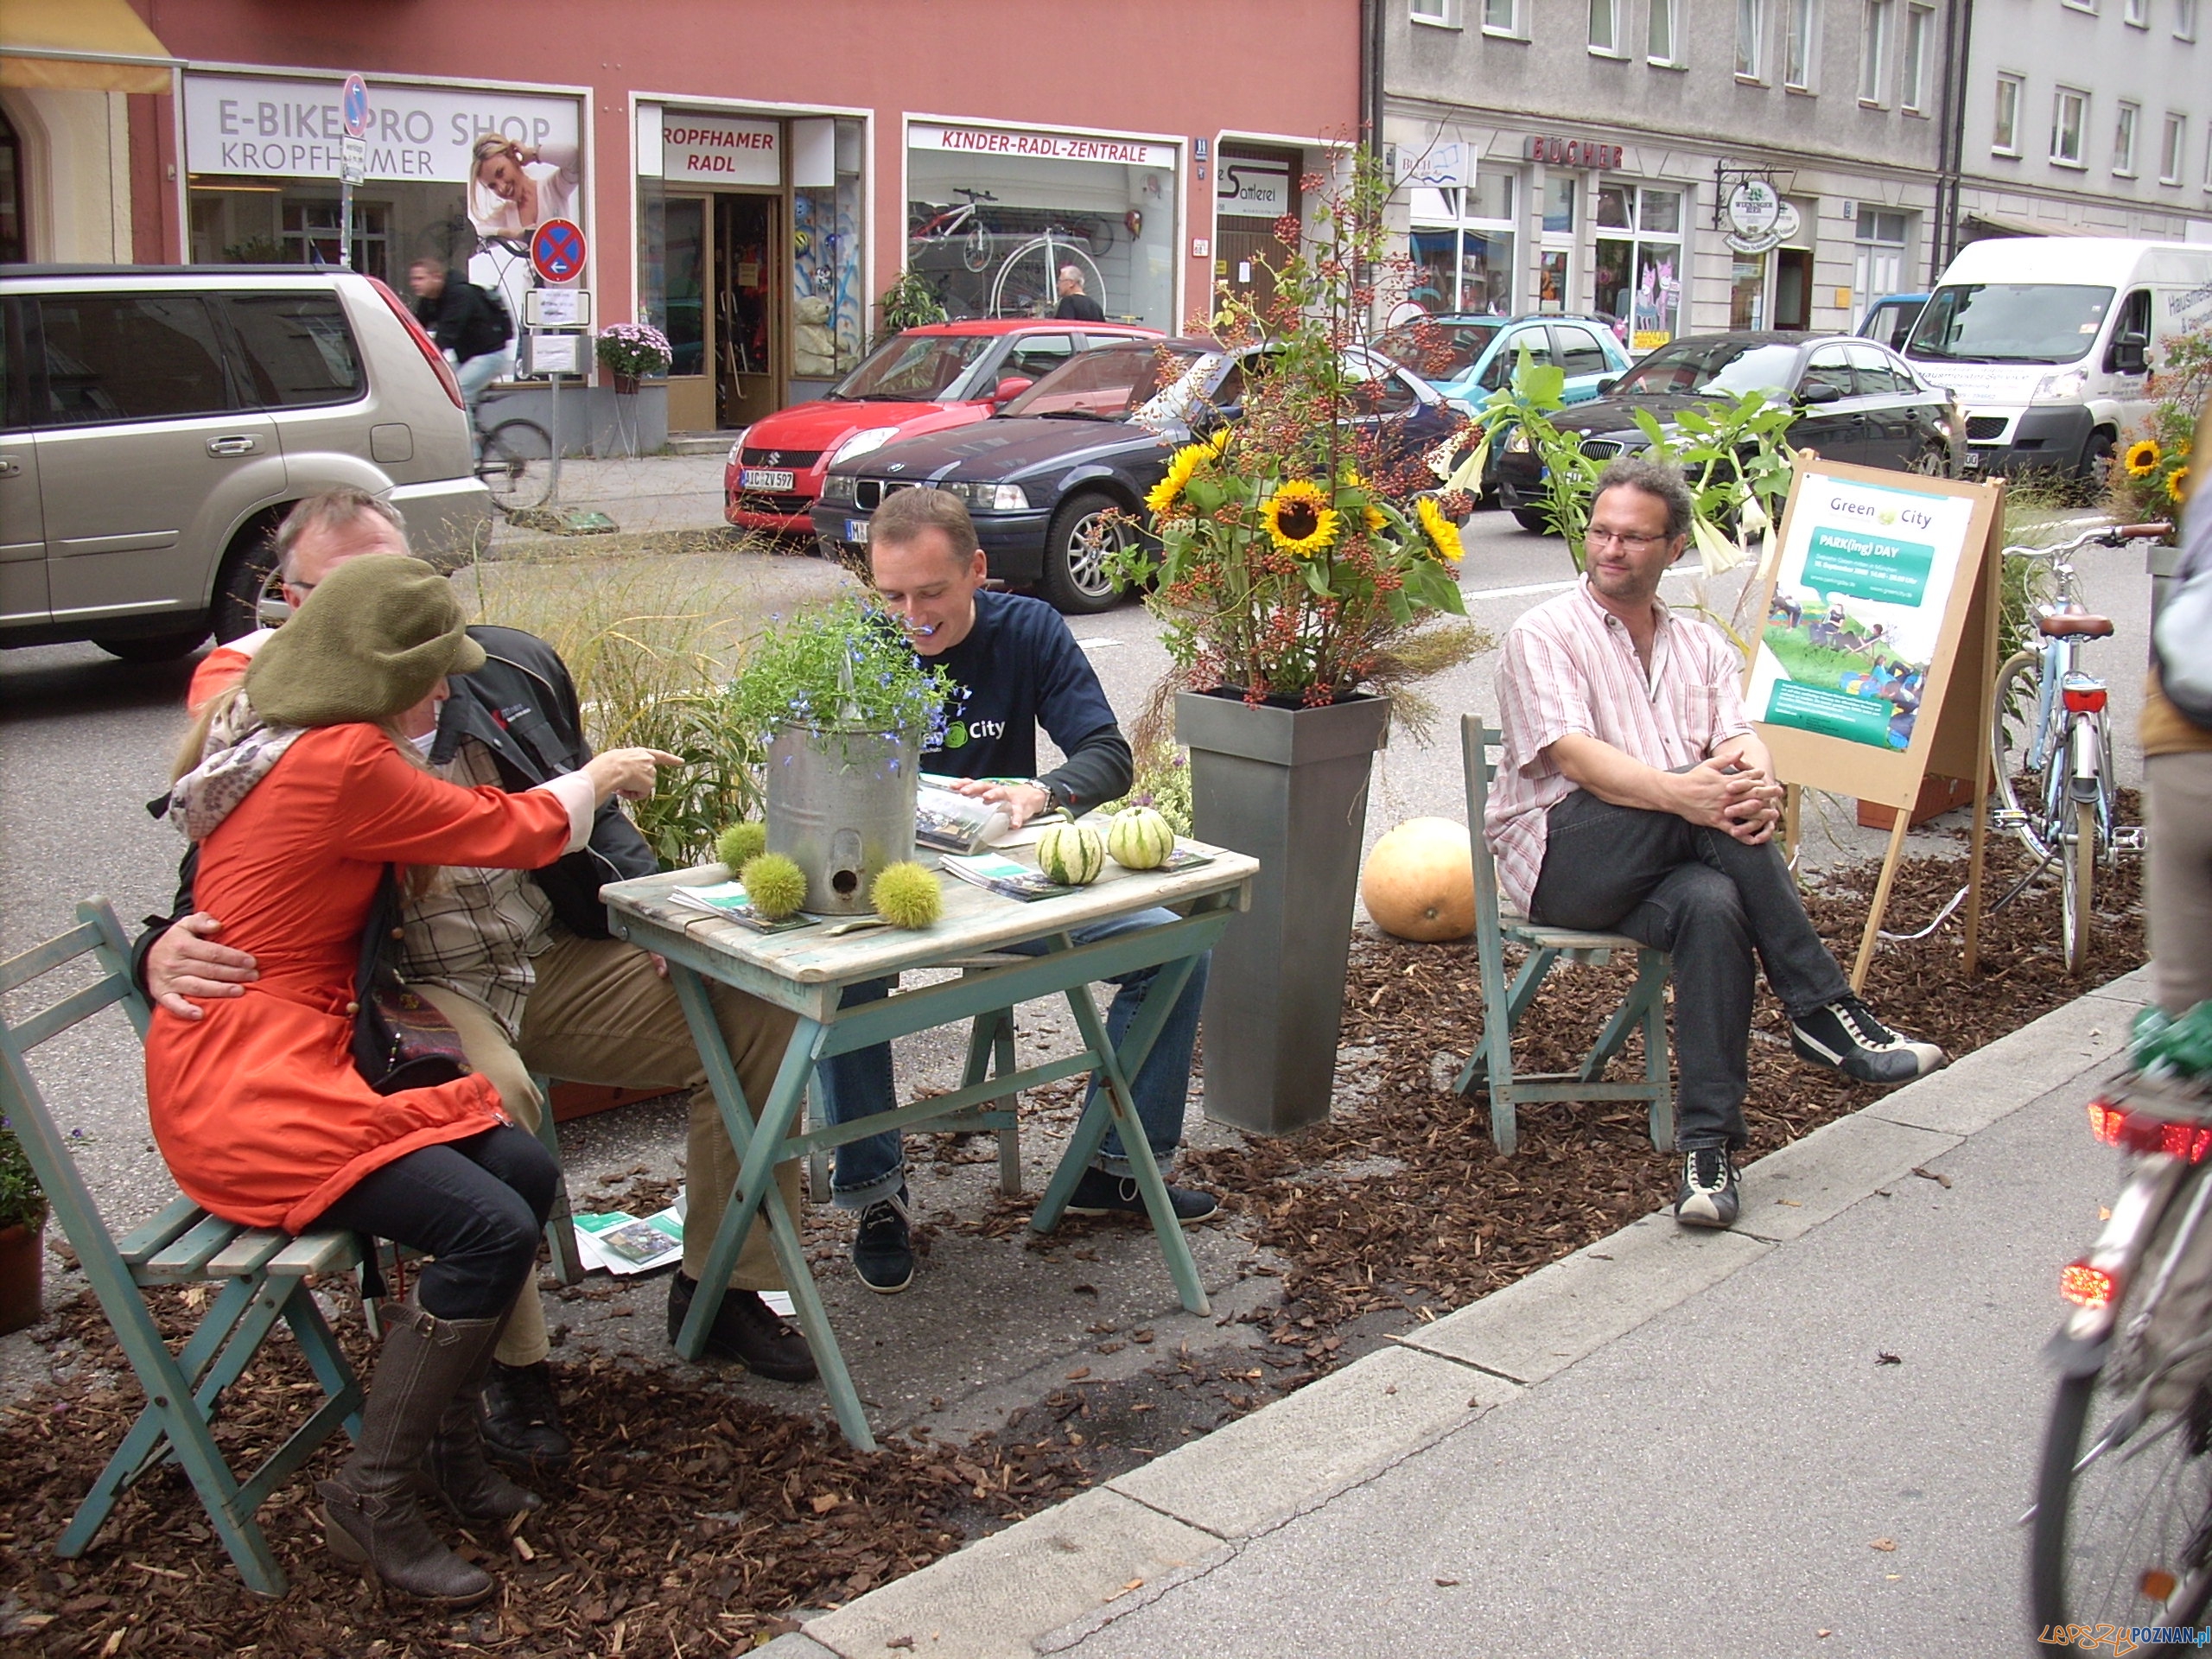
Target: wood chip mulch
696, 1521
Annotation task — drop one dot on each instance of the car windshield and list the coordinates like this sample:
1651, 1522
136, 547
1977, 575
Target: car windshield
1728, 367
1439, 349
2010, 322
1102, 386
912, 368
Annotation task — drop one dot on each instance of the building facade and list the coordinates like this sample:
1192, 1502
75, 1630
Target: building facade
748, 176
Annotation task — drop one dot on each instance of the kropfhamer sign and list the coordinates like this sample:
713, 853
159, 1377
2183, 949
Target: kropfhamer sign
295, 128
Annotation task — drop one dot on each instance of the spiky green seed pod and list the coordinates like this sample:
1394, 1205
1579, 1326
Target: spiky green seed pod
906, 895
741, 843
775, 885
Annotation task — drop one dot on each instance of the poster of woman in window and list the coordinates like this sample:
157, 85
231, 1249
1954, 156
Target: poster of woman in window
515, 187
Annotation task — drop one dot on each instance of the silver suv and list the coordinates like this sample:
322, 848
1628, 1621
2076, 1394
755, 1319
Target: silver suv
158, 421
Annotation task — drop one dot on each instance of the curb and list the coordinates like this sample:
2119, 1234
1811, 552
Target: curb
1053, 1578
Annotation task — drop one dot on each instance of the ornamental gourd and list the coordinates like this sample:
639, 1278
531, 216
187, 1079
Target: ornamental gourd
1138, 838
1071, 855
1420, 881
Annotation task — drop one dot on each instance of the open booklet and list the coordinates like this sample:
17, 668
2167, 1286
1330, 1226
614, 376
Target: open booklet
624, 1245
729, 899
949, 821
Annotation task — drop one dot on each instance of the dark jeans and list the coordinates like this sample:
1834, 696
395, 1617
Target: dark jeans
1708, 900
476, 1206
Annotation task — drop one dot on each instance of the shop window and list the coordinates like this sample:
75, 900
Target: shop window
1605, 28
830, 310
2069, 118
1660, 41
1874, 52
1463, 240
1878, 253
12, 240
1639, 263
1919, 38
298, 349
130, 357
1804, 34
311, 234
2172, 148
2004, 129
2123, 141
1751, 22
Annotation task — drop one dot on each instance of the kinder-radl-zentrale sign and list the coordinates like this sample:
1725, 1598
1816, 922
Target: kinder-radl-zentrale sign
1041, 146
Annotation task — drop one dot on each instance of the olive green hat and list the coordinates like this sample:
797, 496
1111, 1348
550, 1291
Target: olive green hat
373, 637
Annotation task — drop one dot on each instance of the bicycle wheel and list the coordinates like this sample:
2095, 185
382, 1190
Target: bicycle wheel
2078, 884
2014, 752
517, 465
2123, 1516
975, 245
1028, 282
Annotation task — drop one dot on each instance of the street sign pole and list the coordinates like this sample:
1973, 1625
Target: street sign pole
353, 160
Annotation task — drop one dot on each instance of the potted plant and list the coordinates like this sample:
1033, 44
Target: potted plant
630, 351
22, 1235
1303, 580
842, 705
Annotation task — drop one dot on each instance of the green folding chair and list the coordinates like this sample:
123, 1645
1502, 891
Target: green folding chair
1491, 1063
260, 1276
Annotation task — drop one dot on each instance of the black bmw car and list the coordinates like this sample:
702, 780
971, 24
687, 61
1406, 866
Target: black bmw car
1042, 475
1856, 401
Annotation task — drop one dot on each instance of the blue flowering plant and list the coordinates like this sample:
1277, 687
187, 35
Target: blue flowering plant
844, 667
636, 349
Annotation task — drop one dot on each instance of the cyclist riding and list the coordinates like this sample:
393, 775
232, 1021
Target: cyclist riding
467, 321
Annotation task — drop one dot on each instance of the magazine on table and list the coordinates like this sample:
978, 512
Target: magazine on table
1009, 878
729, 899
949, 821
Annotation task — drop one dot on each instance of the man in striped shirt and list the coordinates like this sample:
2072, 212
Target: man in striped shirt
1634, 797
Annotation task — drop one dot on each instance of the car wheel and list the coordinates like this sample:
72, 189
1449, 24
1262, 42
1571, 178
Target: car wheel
2097, 457
1077, 551
249, 578
154, 647
1536, 518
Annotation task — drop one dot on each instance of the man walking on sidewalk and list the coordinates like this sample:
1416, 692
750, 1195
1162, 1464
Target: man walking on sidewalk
1634, 797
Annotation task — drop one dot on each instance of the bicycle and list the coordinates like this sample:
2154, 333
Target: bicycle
965, 221
1028, 281
2122, 1521
514, 458
2048, 738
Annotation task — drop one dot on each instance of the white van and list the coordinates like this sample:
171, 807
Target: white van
2046, 341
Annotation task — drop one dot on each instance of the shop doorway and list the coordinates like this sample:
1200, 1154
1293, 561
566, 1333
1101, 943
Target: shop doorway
724, 308
1256, 190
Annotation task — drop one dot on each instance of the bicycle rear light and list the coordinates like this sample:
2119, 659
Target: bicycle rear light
2139, 1131
423, 343
2083, 695
2085, 1286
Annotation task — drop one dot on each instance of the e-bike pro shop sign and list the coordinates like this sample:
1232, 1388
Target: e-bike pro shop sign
267, 128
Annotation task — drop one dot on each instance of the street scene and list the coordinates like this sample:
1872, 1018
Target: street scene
913, 832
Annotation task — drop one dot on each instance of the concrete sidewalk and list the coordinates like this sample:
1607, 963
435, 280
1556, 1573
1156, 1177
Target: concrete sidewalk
1814, 1434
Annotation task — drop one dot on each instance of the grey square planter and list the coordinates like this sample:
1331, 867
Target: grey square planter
1289, 787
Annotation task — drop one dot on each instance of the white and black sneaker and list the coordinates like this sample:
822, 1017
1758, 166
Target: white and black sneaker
883, 1246
1845, 1035
1708, 1194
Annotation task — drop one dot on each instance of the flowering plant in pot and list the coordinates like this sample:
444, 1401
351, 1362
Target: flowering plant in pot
630, 351
843, 706
2152, 476
22, 1221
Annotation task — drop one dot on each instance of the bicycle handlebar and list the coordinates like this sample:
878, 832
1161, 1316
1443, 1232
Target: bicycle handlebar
2143, 532
2108, 535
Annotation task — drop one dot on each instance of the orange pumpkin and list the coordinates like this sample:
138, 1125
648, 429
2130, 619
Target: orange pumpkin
1420, 881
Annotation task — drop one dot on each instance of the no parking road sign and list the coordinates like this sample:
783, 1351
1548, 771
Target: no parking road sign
556, 251
353, 105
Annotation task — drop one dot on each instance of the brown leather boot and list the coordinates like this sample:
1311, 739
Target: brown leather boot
372, 1514
455, 1462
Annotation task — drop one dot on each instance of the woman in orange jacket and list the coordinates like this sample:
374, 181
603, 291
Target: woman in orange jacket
300, 786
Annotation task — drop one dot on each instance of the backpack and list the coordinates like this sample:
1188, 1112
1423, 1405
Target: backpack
496, 302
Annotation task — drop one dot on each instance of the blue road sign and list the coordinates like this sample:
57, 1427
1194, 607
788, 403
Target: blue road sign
353, 105
556, 251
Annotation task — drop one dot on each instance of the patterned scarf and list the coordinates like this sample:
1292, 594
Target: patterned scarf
240, 750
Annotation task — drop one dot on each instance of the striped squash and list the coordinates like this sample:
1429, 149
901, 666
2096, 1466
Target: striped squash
1138, 838
1072, 854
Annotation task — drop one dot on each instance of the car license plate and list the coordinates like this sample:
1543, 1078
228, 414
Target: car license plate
856, 531
760, 478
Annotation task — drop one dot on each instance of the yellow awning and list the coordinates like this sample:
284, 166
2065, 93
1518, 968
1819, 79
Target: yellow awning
100, 45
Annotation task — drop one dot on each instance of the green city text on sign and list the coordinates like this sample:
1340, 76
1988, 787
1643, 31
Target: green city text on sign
1867, 567
1832, 714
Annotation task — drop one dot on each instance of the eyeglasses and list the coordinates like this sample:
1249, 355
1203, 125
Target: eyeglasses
1596, 538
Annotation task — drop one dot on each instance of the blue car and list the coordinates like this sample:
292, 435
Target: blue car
1889, 319
1467, 357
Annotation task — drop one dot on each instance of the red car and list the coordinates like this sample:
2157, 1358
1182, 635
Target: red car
925, 380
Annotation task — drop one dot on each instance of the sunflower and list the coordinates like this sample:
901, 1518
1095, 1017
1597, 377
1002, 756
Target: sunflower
1441, 530
1375, 518
2177, 484
2143, 458
1164, 494
1299, 519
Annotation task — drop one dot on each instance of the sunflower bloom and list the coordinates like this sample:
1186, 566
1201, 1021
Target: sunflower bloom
1442, 533
2177, 484
1164, 495
2143, 458
1299, 519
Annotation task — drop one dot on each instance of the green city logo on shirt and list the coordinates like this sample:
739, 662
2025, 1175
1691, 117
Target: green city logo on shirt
956, 736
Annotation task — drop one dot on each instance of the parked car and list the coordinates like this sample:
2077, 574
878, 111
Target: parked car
1856, 401
159, 421
1044, 474
926, 379
1889, 319
1467, 357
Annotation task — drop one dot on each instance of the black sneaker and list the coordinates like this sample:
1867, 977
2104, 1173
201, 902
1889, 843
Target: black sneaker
883, 1250
1708, 1194
1101, 1194
522, 1418
745, 1332
1846, 1036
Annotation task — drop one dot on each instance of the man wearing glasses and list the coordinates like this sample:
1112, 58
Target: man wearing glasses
1634, 797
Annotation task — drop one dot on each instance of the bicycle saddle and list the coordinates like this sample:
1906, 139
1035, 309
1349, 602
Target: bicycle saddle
2057, 625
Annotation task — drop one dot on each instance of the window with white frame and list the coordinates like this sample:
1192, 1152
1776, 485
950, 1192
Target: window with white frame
2079, 5
1500, 16
1879, 263
2184, 19
1432, 11
2123, 140
1605, 27
2136, 14
1463, 240
1659, 41
1639, 271
1751, 18
2069, 118
1874, 52
2004, 129
1797, 51
2172, 147
1919, 44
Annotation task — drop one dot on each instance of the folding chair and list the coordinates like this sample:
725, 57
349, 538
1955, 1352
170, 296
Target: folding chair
262, 1274
1645, 1005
